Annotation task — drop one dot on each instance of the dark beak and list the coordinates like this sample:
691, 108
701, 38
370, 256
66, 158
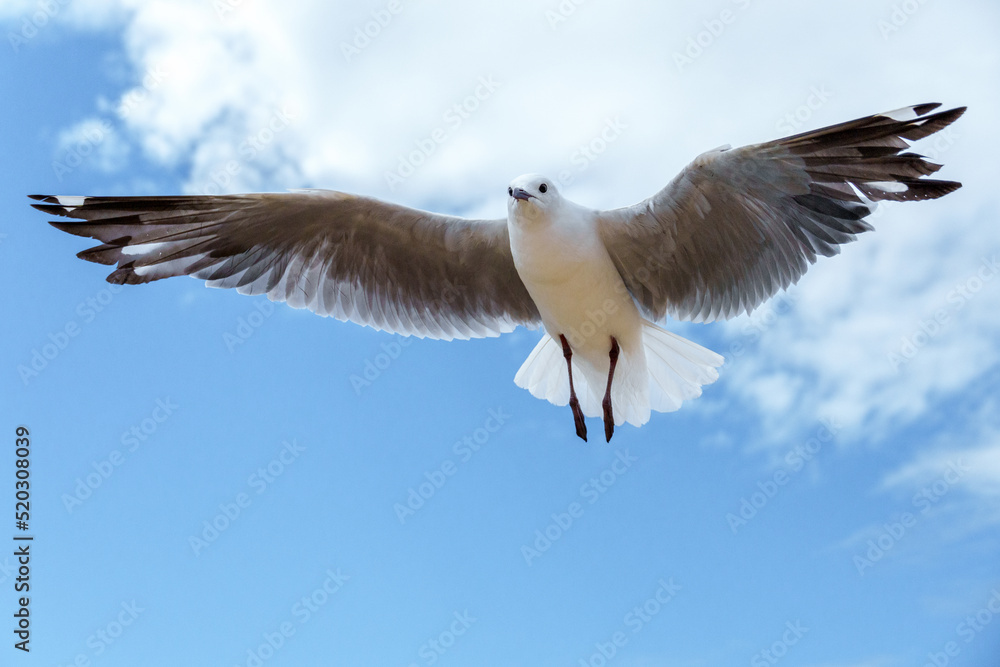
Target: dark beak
522, 194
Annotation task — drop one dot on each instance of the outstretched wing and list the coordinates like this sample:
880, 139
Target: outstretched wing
353, 258
738, 225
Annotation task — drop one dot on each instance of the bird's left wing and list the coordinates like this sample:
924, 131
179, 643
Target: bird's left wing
354, 258
738, 225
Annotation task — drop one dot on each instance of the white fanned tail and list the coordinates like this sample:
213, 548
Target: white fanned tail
670, 370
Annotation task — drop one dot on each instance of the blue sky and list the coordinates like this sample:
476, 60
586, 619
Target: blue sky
211, 488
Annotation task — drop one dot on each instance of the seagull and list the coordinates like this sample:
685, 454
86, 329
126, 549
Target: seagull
730, 231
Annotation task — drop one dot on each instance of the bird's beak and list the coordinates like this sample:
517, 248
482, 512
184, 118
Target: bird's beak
522, 194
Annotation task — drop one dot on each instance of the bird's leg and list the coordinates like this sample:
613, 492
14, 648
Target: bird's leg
609, 418
574, 402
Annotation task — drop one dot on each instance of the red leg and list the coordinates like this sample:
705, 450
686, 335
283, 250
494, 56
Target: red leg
574, 402
609, 417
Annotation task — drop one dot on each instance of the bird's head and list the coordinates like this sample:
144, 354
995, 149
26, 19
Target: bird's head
531, 196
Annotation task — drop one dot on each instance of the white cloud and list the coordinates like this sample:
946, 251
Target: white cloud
899, 320
350, 116
93, 142
949, 489
978, 469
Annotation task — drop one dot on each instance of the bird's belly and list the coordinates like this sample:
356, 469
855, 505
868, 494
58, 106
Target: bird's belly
578, 290
589, 307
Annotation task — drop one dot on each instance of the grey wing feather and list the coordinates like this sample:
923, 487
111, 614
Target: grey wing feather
353, 258
738, 225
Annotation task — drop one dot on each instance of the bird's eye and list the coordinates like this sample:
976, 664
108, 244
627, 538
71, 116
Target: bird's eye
543, 188
510, 191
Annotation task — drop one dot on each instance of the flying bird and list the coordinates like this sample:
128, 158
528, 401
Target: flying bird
733, 228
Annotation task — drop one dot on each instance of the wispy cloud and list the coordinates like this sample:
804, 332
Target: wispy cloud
943, 494
840, 347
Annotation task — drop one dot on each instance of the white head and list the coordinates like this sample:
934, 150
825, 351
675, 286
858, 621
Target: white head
531, 197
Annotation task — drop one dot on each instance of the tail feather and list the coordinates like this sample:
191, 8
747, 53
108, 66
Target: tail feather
693, 363
670, 370
544, 374
677, 368
533, 369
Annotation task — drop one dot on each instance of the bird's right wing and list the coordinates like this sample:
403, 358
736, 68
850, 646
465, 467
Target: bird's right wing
738, 225
354, 258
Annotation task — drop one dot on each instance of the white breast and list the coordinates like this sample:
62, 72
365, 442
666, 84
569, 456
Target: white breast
574, 283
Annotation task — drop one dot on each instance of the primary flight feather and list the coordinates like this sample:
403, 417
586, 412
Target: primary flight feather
733, 228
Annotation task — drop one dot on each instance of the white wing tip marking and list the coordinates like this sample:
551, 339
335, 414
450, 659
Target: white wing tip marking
902, 115
142, 248
70, 201
888, 186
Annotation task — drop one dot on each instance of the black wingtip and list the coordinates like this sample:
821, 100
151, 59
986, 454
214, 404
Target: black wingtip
943, 187
48, 198
957, 112
53, 209
123, 275
945, 118
924, 109
952, 114
921, 109
74, 228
